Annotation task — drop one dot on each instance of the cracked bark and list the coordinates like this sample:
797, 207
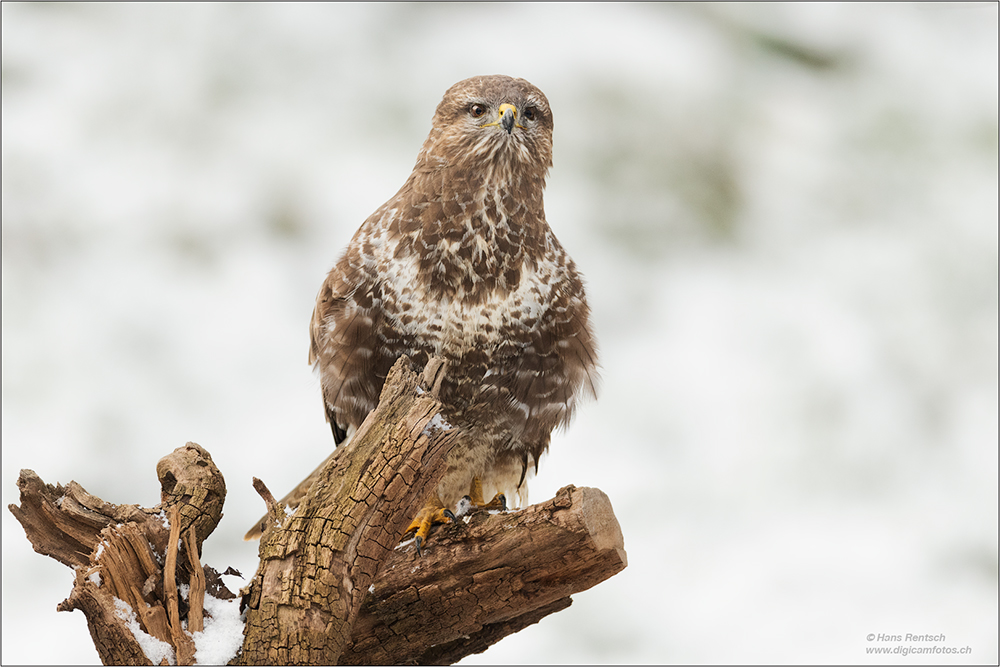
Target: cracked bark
333, 583
124, 545
317, 565
479, 581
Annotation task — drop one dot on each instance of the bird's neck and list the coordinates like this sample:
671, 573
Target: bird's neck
474, 230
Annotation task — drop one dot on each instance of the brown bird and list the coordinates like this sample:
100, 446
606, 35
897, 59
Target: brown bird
460, 264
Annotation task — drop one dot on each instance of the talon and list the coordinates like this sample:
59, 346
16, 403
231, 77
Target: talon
434, 512
431, 513
475, 498
499, 502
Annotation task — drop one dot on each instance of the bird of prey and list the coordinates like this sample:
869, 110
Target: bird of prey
461, 264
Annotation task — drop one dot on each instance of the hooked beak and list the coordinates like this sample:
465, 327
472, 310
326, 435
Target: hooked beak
508, 116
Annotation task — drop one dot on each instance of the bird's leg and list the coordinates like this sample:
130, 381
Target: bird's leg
431, 513
434, 512
499, 501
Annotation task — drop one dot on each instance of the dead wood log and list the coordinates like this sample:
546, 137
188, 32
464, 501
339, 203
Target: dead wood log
317, 565
116, 551
333, 583
479, 581
347, 595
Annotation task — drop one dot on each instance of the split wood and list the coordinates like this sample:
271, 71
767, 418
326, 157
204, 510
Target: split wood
334, 585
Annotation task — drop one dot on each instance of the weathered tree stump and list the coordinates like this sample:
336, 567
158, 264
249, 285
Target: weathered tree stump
480, 581
334, 585
125, 553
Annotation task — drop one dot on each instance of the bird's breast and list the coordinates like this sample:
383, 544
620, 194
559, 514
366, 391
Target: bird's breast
453, 322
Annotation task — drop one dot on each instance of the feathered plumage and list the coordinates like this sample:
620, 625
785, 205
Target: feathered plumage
461, 264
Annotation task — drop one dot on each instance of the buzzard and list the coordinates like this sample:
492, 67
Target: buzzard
460, 264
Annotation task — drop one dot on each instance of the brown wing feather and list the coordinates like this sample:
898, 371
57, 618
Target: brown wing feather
344, 345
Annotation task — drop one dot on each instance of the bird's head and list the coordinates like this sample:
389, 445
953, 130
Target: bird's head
495, 124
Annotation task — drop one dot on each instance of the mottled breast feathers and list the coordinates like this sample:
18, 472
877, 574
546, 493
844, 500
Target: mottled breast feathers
461, 264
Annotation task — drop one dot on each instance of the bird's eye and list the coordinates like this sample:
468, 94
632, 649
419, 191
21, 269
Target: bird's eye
477, 110
530, 113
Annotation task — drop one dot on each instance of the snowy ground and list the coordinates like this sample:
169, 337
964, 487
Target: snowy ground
787, 216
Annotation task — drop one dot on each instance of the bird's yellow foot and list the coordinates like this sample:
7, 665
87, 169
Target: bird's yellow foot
431, 513
476, 500
434, 512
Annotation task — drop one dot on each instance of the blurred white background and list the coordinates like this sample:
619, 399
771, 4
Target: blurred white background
787, 216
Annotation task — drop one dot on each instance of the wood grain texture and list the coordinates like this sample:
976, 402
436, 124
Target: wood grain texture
334, 584
116, 551
480, 581
316, 567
